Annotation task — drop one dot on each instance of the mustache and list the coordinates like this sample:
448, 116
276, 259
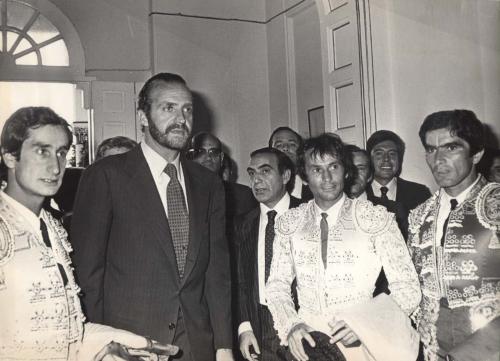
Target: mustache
176, 127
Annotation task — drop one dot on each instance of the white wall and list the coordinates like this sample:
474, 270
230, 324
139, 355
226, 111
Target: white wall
223, 61
432, 55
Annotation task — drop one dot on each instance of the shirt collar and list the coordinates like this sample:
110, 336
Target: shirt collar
280, 207
390, 186
157, 163
445, 197
32, 219
333, 211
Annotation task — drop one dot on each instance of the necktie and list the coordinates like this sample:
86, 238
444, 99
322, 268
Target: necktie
383, 192
178, 218
46, 240
453, 205
268, 242
323, 225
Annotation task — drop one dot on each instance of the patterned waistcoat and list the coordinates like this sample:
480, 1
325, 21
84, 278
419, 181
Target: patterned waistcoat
39, 316
467, 269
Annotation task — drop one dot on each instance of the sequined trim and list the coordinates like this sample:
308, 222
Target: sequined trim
488, 206
6, 242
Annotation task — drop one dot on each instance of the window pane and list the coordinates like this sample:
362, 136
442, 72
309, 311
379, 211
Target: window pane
11, 38
55, 54
42, 29
18, 14
28, 59
23, 45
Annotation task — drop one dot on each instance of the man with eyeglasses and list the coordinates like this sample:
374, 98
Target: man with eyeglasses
206, 150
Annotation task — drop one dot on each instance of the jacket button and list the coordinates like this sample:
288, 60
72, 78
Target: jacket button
171, 326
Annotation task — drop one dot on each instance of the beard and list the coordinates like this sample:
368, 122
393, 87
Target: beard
176, 141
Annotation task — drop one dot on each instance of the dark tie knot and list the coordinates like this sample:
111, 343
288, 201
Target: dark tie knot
384, 190
271, 215
171, 171
324, 215
453, 204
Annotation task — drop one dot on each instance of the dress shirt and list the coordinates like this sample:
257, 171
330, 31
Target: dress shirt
362, 197
445, 207
333, 213
297, 187
281, 207
29, 217
157, 166
392, 187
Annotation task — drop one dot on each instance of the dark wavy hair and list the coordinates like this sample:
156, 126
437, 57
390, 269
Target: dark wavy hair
114, 142
17, 127
279, 129
327, 144
461, 123
284, 163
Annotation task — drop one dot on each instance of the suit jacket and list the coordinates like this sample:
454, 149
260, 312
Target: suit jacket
239, 199
125, 260
409, 194
247, 235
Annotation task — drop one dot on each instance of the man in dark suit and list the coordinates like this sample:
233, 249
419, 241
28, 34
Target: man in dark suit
386, 150
148, 233
270, 171
289, 142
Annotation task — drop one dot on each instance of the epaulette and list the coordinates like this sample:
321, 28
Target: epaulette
288, 222
417, 215
6, 242
488, 206
369, 218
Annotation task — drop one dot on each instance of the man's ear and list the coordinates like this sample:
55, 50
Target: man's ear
286, 176
477, 157
142, 118
9, 159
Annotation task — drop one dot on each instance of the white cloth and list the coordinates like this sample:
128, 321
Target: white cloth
297, 187
364, 238
157, 166
392, 188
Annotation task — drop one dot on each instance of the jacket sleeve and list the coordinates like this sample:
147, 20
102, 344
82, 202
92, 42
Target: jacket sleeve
278, 295
398, 267
89, 236
218, 277
242, 282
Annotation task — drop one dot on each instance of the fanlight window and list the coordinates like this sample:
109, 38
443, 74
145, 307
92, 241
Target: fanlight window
29, 38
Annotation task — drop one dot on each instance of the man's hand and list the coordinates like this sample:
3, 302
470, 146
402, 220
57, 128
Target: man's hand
248, 339
342, 332
297, 333
224, 354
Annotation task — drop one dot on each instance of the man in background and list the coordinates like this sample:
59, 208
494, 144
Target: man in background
361, 161
387, 150
270, 171
148, 231
454, 241
289, 142
113, 146
206, 150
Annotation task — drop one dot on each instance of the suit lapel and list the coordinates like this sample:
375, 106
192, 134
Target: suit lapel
142, 192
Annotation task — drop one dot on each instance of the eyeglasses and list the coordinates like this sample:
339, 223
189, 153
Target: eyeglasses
196, 153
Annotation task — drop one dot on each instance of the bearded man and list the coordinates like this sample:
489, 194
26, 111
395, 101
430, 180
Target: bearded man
149, 236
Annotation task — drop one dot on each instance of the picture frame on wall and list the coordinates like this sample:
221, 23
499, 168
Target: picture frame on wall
316, 120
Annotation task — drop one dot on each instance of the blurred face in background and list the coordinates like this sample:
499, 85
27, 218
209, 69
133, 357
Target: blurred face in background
287, 142
208, 153
362, 164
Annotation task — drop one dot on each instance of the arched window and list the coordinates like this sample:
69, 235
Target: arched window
38, 42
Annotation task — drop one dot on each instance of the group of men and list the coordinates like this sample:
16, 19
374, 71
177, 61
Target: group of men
329, 259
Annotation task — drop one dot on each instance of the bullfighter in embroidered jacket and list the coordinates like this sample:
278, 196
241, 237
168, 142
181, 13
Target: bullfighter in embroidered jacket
40, 313
454, 242
335, 248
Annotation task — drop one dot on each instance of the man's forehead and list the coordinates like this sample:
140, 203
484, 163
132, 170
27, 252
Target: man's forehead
442, 136
360, 158
316, 158
210, 142
285, 135
173, 90
50, 135
386, 145
262, 159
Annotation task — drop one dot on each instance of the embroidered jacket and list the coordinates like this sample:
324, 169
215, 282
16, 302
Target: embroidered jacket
467, 270
364, 238
40, 317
